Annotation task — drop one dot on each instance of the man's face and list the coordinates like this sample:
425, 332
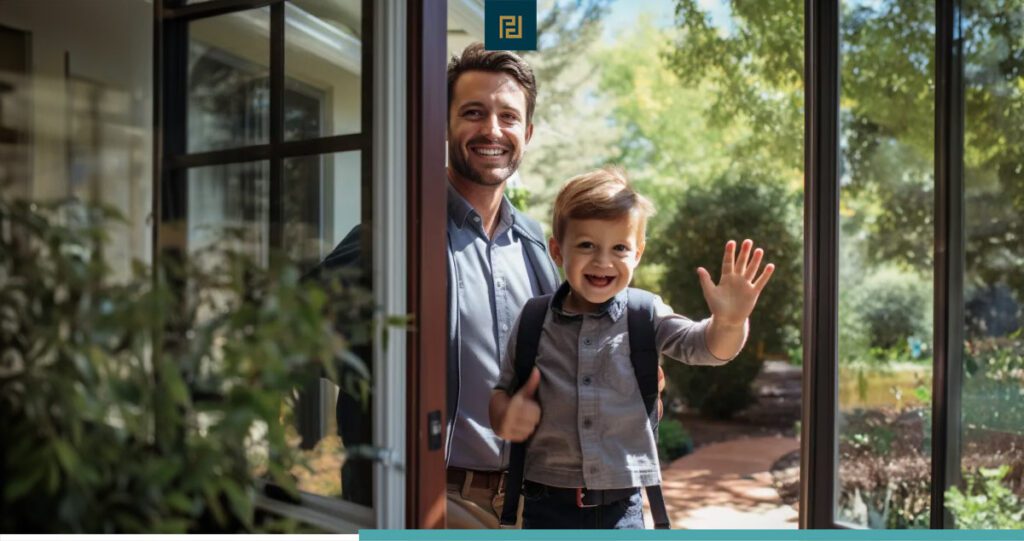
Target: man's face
598, 257
487, 128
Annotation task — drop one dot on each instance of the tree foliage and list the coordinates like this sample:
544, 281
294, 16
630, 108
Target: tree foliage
735, 206
139, 406
571, 134
887, 100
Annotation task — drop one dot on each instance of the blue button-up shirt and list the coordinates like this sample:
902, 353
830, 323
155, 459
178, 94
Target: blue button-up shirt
494, 280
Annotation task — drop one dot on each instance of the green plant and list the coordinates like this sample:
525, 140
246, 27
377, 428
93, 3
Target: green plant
519, 197
150, 404
986, 503
993, 385
673, 441
893, 305
735, 206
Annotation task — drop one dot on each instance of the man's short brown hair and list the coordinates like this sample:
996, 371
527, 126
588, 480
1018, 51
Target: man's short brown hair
476, 58
602, 194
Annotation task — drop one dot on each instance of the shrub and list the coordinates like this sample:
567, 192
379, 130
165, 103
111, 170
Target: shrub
140, 407
735, 206
892, 306
986, 505
673, 441
884, 468
993, 383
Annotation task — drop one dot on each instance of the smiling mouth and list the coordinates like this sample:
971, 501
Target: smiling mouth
599, 281
489, 152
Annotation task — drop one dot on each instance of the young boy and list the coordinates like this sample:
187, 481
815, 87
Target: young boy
594, 442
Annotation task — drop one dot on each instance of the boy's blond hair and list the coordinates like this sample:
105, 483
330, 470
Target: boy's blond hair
601, 194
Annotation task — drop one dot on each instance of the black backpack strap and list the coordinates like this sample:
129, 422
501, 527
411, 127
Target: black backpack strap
531, 323
643, 351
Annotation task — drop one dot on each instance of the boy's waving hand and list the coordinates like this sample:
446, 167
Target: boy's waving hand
733, 299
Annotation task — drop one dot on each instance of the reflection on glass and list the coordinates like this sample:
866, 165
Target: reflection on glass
993, 385
228, 208
321, 210
885, 288
228, 88
323, 66
322, 204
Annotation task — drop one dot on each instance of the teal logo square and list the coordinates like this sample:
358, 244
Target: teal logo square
510, 25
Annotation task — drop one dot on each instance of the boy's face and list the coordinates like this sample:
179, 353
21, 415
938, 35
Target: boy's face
598, 257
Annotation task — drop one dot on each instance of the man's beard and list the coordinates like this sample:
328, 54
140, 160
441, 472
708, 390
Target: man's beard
461, 166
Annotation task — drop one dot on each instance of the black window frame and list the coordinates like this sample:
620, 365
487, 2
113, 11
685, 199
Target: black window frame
170, 71
819, 453
172, 161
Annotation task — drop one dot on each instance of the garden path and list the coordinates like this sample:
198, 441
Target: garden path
728, 485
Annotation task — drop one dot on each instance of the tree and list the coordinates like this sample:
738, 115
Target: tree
735, 206
571, 133
887, 100
666, 142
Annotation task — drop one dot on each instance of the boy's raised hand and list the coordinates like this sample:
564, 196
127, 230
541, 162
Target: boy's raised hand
523, 411
733, 299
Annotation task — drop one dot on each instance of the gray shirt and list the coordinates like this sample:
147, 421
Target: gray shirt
594, 431
494, 281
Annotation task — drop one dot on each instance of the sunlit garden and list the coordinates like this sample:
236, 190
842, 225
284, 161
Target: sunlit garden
702, 103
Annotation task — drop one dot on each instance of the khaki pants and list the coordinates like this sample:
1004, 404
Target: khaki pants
475, 508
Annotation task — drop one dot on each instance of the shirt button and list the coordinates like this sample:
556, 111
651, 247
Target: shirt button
587, 423
504, 327
587, 341
586, 380
476, 219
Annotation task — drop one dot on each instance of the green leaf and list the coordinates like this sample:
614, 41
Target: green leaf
66, 455
19, 485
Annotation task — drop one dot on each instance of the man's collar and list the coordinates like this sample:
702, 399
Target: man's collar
614, 307
459, 210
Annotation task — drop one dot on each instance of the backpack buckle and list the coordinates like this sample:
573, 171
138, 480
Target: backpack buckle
579, 499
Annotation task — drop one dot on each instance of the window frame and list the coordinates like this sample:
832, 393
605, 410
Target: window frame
379, 169
819, 452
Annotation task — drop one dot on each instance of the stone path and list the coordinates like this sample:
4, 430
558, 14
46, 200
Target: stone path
728, 485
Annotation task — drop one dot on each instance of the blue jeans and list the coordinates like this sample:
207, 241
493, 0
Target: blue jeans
550, 510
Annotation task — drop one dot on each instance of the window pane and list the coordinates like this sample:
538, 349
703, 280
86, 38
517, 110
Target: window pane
993, 383
322, 203
228, 89
323, 66
886, 239
228, 209
322, 209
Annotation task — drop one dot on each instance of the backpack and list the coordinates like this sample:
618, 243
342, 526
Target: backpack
643, 353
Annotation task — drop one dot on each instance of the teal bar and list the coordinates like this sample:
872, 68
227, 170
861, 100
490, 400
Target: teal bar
693, 535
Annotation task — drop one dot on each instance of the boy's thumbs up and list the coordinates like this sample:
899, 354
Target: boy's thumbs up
529, 389
523, 412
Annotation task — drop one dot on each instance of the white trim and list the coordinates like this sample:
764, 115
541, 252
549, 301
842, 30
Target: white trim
336, 45
468, 15
389, 259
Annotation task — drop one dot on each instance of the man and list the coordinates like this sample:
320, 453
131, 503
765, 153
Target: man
494, 253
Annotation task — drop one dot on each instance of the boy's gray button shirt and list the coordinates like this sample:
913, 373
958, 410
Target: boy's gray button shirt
594, 431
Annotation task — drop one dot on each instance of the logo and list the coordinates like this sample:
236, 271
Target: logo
510, 25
